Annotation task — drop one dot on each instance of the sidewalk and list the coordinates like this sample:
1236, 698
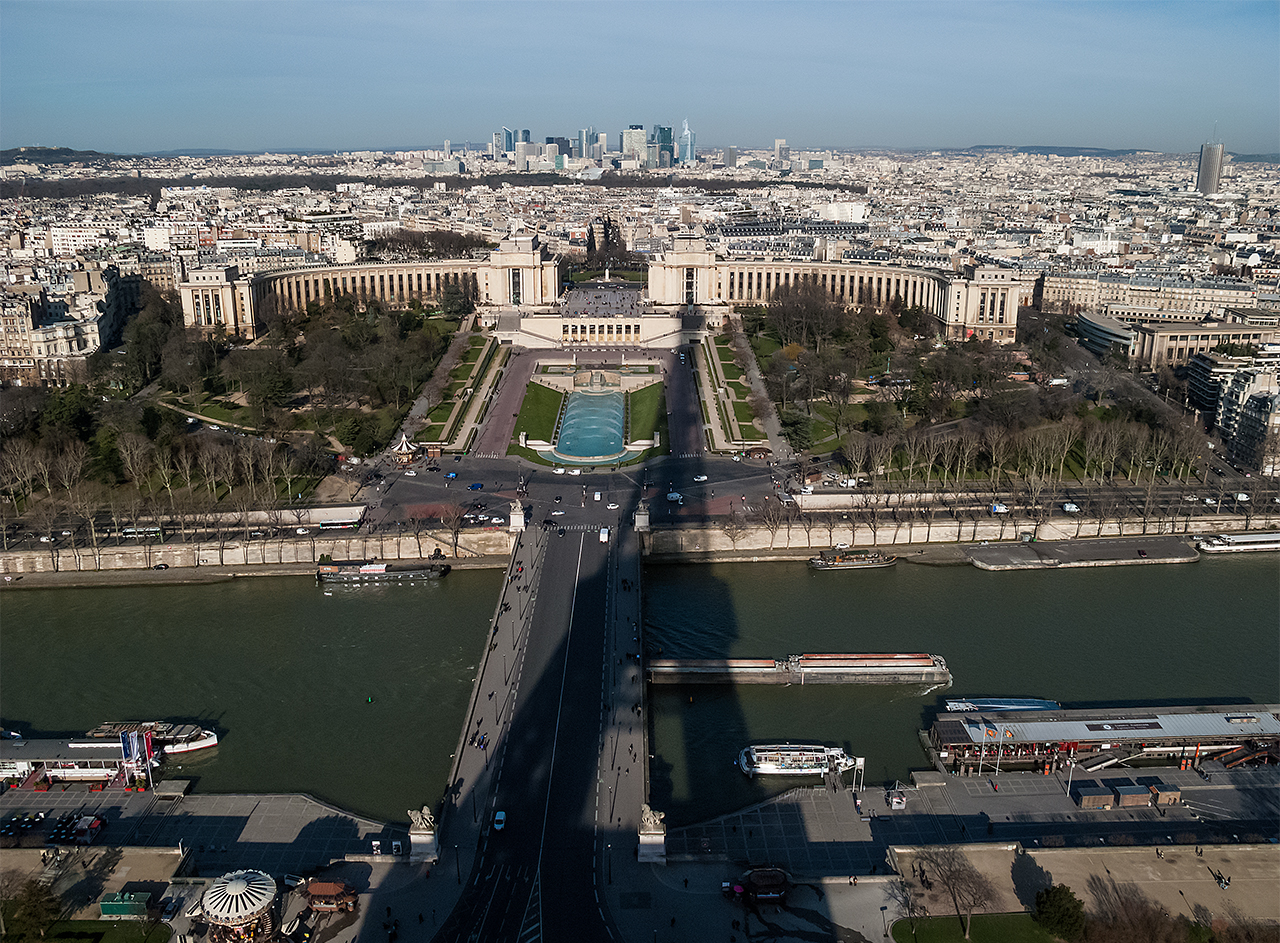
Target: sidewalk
773, 428
467, 810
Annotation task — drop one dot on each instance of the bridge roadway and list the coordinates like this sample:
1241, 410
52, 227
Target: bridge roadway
558, 754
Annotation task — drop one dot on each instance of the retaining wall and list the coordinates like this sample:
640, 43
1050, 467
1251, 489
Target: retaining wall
351, 546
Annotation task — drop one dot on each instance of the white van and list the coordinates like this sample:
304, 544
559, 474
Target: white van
597, 495
604, 535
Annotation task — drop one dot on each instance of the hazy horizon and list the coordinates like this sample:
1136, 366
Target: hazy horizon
313, 76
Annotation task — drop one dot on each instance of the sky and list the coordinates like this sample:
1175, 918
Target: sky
127, 77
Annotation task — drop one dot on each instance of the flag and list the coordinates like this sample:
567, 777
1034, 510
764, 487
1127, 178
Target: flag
124, 746
133, 746
150, 749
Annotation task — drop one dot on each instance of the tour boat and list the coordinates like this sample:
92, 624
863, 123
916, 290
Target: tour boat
793, 759
206, 739
973, 704
171, 738
1239, 543
851, 560
379, 572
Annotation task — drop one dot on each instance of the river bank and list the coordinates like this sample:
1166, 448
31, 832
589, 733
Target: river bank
195, 576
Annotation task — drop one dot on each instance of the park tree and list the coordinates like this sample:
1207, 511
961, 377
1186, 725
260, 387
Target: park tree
451, 517
1060, 912
967, 887
803, 313
35, 911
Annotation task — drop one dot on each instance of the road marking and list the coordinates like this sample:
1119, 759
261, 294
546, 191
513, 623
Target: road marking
573, 605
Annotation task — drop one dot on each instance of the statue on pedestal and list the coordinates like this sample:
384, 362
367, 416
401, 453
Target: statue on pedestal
422, 821
651, 821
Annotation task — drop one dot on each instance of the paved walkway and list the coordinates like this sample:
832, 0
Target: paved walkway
818, 832
416, 418
782, 451
500, 421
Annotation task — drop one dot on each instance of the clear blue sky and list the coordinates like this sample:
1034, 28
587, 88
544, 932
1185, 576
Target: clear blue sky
131, 77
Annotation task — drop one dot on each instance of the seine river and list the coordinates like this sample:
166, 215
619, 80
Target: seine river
284, 668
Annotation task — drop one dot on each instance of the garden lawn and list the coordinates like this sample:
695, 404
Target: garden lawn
538, 412
744, 413
987, 928
647, 407
106, 931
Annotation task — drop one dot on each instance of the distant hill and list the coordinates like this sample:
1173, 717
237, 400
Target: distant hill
1059, 150
1255, 158
48, 155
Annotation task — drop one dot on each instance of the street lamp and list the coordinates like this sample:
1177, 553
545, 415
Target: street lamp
609, 861
457, 863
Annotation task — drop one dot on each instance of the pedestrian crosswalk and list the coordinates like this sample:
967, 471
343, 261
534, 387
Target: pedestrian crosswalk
690, 455
531, 928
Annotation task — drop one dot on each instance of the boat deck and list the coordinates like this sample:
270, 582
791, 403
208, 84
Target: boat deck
913, 668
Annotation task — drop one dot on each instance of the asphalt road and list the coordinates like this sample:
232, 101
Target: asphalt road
536, 874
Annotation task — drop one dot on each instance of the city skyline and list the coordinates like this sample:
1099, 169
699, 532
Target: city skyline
389, 76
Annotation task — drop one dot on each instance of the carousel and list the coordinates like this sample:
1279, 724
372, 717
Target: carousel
404, 451
238, 907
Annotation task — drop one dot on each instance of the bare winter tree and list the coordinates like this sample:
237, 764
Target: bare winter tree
68, 467
135, 455
451, 517
908, 903
967, 887
771, 515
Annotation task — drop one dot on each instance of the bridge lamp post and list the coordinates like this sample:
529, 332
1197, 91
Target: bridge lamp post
609, 861
457, 863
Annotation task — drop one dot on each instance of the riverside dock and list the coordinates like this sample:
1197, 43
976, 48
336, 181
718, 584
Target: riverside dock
874, 668
1047, 554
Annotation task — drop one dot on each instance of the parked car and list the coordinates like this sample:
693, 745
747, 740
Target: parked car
451, 475
699, 478
411, 473
1242, 497
557, 471
999, 509
612, 507
161, 566
575, 471
1071, 508
476, 486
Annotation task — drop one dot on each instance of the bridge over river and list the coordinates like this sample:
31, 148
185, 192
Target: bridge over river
558, 711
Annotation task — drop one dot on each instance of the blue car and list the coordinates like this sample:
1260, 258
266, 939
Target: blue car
477, 486
452, 475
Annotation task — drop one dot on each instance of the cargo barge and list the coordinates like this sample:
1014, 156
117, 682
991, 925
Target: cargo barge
379, 572
874, 668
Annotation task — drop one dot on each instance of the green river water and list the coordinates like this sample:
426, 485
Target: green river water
284, 668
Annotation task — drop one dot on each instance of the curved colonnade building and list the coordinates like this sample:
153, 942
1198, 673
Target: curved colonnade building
518, 289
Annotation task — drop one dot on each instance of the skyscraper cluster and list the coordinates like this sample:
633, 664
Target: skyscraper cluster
649, 150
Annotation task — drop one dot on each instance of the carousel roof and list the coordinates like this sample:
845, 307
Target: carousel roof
238, 898
404, 446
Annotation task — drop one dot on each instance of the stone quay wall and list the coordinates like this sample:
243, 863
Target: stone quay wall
796, 541
339, 545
